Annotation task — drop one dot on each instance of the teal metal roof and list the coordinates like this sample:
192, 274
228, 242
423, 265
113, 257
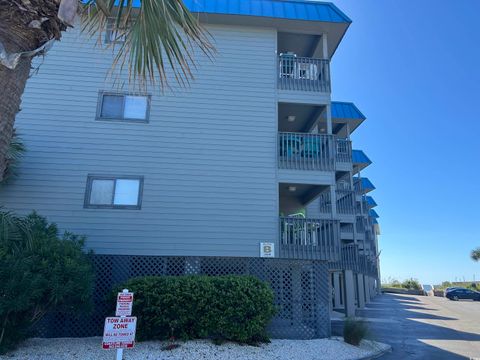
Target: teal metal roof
370, 201
346, 110
283, 9
359, 157
372, 213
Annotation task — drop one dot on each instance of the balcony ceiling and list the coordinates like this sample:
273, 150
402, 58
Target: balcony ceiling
305, 117
299, 44
293, 201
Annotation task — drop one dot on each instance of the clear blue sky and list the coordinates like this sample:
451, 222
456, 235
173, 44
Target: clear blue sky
413, 69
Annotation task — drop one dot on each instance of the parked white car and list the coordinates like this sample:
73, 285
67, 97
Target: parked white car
428, 290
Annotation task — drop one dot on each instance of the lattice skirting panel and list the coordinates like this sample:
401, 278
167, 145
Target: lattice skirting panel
301, 289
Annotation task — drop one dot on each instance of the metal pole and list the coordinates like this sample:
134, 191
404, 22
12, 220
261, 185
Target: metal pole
119, 355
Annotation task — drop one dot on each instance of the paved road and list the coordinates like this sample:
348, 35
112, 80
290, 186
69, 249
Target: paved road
424, 327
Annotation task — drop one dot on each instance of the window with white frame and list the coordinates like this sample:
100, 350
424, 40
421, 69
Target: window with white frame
110, 192
127, 107
114, 34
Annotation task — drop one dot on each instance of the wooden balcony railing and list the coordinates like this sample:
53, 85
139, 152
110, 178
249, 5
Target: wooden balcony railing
309, 239
302, 73
305, 151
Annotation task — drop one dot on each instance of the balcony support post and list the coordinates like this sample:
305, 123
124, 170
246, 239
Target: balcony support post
349, 293
361, 291
337, 293
328, 113
324, 46
333, 201
368, 297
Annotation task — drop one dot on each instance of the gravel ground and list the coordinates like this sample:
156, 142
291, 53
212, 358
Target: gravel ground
89, 349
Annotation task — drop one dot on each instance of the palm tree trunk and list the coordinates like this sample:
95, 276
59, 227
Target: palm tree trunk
12, 85
24, 26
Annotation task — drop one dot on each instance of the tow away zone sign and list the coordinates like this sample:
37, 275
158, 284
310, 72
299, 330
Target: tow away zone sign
119, 332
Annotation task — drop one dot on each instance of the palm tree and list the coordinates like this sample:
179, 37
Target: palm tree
14, 154
158, 33
475, 254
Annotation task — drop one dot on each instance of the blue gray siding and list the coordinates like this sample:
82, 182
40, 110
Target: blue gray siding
208, 153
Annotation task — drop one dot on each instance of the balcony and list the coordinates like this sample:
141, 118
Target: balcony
303, 73
345, 202
360, 225
349, 259
306, 151
346, 231
325, 203
312, 239
344, 151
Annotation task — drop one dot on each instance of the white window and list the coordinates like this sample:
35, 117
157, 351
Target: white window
114, 34
114, 192
123, 107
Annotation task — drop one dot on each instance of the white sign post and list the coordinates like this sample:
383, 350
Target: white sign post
119, 331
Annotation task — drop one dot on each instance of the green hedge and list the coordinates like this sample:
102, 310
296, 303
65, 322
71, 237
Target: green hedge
40, 271
235, 308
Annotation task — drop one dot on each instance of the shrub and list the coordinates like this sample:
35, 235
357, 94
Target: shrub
234, 308
354, 331
396, 284
412, 284
446, 284
39, 272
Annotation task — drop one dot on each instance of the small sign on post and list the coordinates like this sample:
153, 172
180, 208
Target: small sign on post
124, 304
119, 331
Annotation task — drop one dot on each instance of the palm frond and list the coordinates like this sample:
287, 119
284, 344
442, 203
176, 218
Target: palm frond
158, 33
14, 228
14, 153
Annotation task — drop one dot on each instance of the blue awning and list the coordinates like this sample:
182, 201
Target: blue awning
281, 9
346, 110
370, 201
372, 213
365, 184
359, 157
